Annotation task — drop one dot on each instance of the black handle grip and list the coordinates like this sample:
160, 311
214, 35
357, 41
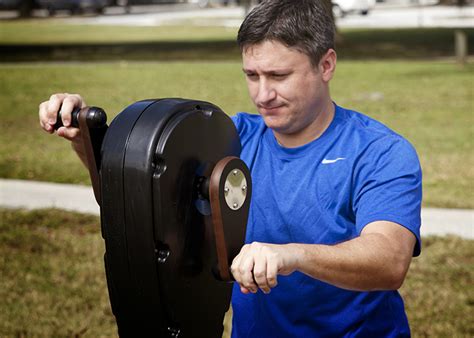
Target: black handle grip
96, 118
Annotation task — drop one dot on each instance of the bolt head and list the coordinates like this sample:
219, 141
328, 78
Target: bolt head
163, 256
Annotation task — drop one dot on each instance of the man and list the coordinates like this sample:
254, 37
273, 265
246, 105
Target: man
335, 212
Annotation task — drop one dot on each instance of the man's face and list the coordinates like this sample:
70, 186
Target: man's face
288, 91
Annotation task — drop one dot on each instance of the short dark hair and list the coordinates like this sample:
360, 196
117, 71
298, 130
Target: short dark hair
306, 25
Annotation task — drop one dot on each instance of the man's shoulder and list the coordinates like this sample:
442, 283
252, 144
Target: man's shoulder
368, 132
359, 122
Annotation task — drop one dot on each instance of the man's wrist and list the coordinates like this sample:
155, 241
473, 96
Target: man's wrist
295, 254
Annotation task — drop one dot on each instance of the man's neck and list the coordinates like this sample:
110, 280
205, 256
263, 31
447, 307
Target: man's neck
312, 132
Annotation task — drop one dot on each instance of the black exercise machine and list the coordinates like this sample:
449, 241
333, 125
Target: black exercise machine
174, 200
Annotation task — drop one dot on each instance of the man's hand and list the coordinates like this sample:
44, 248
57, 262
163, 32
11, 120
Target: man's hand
48, 112
66, 103
258, 264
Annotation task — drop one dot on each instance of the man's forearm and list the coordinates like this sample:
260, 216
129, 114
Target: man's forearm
78, 148
363, 264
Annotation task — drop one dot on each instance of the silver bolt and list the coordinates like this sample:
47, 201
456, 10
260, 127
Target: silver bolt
163, 256
234, 172
226, 189
244, 188
235, 205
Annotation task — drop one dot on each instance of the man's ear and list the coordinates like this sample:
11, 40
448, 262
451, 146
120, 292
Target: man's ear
327, 65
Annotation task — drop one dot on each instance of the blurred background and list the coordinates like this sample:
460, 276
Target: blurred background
406, 63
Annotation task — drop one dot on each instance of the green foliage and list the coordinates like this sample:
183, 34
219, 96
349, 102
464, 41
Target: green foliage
53, 281
430, 103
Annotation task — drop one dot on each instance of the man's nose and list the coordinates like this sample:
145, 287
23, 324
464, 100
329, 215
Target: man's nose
266, 92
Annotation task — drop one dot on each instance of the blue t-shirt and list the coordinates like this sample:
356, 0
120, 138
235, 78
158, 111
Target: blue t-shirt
357, 172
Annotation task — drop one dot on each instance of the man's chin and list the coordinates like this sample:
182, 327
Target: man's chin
276, 125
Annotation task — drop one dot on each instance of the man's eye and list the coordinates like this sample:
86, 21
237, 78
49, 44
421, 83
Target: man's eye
280, 76
251, 75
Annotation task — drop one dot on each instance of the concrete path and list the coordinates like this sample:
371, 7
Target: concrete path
37, 195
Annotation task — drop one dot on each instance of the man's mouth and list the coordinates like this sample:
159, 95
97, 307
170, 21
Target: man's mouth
270, 109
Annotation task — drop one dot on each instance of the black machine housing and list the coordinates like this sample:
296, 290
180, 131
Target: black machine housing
161, 261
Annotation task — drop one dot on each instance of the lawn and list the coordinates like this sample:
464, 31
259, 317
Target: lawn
427, 99
56, 40
53, 282
429, 102
51, 262
58, 31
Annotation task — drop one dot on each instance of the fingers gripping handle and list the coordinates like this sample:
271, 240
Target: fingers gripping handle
230, 190
92, 121
95, 118
74, 120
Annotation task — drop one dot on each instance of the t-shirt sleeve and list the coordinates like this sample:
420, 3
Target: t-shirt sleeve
388, 187
247, 126
236, 120
240, 125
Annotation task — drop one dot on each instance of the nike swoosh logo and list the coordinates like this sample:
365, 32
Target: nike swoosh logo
326, 161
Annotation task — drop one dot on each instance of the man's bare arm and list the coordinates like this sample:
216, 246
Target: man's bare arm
376, 260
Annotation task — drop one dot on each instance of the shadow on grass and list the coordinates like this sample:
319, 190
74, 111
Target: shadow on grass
413, 43
351, 44
147, 51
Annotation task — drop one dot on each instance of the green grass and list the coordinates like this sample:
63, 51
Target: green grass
55, 40
53, 281
54, 31
439, 289
430, 103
